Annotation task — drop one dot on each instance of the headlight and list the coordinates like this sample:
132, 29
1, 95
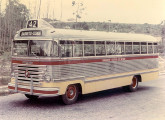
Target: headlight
47, 75
13, 77
47, 78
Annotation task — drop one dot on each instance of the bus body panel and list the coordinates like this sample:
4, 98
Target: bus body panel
94, 74
150, 76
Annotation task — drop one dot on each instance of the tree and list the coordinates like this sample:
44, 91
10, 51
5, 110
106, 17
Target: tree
15, 17
79, 9
163, 39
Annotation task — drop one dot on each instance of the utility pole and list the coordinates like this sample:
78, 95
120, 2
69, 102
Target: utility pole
38, 16
61, 12
53, 10
29, 10
47, 14
35, 10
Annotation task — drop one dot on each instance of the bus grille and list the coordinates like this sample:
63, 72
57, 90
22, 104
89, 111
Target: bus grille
26, 73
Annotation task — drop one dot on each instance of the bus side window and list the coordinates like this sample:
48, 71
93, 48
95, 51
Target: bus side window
54, 50
89, 48
136, 48
155, 48
78, 48
119, 48
150, 48
143, 48
66, 48
110, 47
128, 48
100, 48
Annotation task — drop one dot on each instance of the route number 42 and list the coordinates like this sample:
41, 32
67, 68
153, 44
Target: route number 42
32, 24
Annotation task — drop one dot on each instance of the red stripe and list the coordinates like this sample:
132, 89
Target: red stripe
45, 92
34, 91
10, 87
20, 89
70, 61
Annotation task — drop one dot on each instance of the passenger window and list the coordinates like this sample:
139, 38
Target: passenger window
155, 48
100, 48
128, 48
66, 48
110, 47
136, 48
143, 48
78, 48
54, 50
89, 48
119, 48
150, 48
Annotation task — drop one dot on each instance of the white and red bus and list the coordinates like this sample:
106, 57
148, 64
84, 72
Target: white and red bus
66, 63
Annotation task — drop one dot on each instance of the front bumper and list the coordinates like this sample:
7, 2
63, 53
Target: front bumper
40, 91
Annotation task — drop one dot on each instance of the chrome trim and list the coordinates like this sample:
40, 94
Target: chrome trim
35, 88
102, 79
33, 76
37, 72
20, 78
15, 64
70, 79
32, 69
32, 72
31, 86
16, 85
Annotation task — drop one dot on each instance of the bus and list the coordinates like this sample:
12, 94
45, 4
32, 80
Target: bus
66, 63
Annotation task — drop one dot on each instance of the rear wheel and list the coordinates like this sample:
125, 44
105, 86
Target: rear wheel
32, 97
70, 95
133, 86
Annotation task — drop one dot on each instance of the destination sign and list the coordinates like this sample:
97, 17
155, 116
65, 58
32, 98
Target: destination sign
31, 33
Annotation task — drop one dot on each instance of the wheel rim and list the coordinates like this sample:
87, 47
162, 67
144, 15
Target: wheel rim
134, 82
71, 92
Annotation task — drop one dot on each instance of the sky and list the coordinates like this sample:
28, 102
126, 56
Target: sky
118, 11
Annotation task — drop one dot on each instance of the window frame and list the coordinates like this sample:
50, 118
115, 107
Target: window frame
129, 44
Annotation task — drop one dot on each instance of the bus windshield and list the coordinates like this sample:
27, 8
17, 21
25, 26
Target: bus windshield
35, 48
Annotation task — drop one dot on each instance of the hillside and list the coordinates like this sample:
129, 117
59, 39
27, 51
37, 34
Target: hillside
155, 30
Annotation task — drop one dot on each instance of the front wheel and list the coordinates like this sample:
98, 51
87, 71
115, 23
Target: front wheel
70, 95
32, 97
133, 86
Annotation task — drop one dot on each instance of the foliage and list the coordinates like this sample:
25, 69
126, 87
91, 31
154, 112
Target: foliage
5, 65
6, 56
16, 14
79, 6
81, 25
13, 19
155, 30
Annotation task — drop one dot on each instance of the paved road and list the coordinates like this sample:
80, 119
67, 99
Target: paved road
148, 103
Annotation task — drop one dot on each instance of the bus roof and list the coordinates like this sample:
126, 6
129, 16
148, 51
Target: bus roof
67, 34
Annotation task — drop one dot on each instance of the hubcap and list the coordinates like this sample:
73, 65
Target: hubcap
134, 82
71, 92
